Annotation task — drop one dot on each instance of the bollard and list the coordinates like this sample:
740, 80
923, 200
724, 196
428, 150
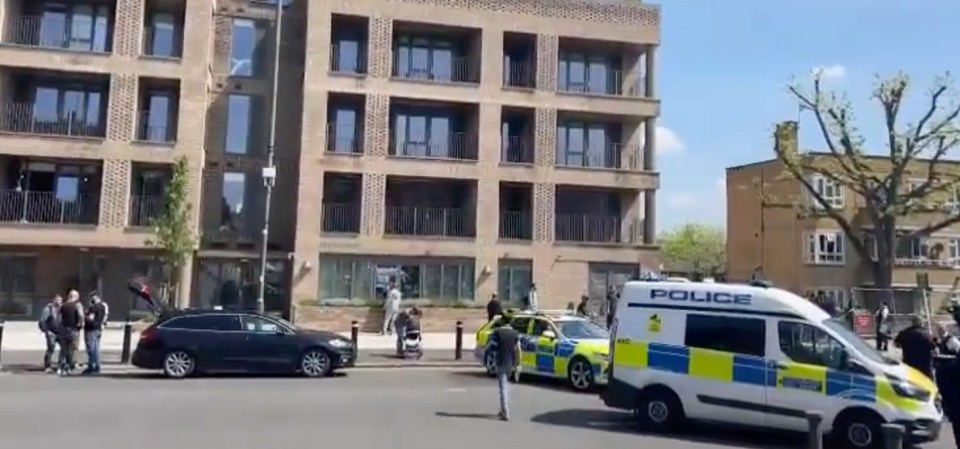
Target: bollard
1, 337
127, 336
459, 342
893, 436
815, 433
354, 333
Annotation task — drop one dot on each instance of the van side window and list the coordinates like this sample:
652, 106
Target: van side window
745, 336
803, 343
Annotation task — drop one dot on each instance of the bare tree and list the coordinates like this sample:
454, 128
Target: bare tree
881, 179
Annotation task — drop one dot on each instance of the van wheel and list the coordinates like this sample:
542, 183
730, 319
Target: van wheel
659, 410
859, 429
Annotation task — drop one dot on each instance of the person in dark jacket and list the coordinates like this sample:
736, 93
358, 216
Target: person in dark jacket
494, 307
582, 307
49, 324
96, 318
917, 345
71, 323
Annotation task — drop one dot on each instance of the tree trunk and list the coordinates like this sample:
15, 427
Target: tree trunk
886, 238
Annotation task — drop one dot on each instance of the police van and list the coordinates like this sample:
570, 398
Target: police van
757, 355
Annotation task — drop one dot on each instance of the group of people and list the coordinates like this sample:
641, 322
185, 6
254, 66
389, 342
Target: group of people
63, 322
398, 321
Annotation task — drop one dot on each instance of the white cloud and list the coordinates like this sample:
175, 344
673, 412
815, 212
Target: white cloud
668, 142
834, 72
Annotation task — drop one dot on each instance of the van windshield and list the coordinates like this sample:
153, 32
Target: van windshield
854, 340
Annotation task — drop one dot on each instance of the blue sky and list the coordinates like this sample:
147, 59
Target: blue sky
723, 70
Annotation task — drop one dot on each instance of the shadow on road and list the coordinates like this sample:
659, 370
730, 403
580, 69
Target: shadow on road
614, 421
534, 381
489, 416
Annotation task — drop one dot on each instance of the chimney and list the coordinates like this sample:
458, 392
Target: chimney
785, 137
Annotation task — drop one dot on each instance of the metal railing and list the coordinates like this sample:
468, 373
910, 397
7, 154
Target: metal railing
455, 146
46, 207
516, 224
429, 221
341, 64
23, 118
516, 150
588, 228
461, 69
616, 82
520, 74
30, 31
618, 156
150, 49
340, 218
144, 209
146, 132
344, 139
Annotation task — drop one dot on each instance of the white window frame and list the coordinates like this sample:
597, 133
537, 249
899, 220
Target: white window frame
817, 250
831, 191
920, 248
953, 199
953, 251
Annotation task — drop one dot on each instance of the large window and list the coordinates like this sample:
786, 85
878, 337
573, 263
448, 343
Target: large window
163, 36
234, 194
425, 132
828, 189
349, 52
804, 343
17, 287
240, 124
80, 27
514, 278
583, 72
160, 116
360, 279
745, 336
345, 130
586, 145
80, 106
424, 57
824, 248
246, 48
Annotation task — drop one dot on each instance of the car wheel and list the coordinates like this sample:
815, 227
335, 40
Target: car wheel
179, 364
315, 363
490, 363
859, 430
659, 410
580, 375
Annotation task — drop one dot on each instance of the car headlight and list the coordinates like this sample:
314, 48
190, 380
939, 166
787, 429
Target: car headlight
338, 343
908, 390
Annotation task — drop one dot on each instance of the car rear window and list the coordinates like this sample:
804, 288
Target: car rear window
204, 323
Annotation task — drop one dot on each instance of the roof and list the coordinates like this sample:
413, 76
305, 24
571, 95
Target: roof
557, 315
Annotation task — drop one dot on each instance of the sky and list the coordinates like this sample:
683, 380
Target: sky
723, 72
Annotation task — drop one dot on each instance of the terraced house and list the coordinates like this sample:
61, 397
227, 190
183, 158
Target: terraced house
461, 147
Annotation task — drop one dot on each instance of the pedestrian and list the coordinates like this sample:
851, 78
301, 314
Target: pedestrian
71, 323
532, 300
917, 345
96, 317
506, 343
494, 307
391, 307
882, 322
49, 324
400, 324
612, 297
582, 307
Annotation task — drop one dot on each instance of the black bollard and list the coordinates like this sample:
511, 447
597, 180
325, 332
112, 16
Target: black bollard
893, 436
354, 333
127, 337
459, 342
1, 337
814, 433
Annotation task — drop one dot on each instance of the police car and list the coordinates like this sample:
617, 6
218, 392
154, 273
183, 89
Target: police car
553, 344
757, 355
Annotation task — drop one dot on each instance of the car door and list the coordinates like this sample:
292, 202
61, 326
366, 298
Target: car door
215, 338
269, 346
528, 344
546, 363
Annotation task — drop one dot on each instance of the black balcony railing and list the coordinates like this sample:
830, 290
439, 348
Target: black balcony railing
341, 218
157, 131
588, 228
520, 74
616, 82
455, 146
516, 224
344, 139
144, 209
47, 207
48, 33
516, 150
616, 156
350, 62
428, 221
163, 43
24, 118
459, 69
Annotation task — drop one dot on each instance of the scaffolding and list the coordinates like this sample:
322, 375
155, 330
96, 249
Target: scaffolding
905, 302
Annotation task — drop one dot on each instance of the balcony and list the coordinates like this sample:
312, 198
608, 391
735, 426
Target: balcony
517, 136
39, 191
77, 26
342, 203
148, 193
432, 130
233, 209
443, 55
348, 51
163, 29
600, 68
159, 110
520, 60
345, 115
596, 216
586, 141
516, 211
54, 103
430, 208
144, 209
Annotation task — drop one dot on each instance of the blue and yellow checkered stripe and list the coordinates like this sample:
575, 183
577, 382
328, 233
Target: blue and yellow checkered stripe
550, 358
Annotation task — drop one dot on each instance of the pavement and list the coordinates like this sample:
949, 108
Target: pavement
364, 409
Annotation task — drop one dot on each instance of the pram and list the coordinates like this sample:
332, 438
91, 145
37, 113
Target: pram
412, 343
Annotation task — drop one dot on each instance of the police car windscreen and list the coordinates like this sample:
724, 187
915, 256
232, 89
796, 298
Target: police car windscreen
854, 340
582, 329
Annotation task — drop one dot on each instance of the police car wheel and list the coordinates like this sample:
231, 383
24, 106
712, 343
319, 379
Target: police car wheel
659, 410
859, 430
178, 364
490, 363
580, 375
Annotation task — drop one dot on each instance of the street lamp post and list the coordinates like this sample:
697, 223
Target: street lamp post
269, 173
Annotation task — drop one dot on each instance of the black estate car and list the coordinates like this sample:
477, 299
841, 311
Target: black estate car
189, 342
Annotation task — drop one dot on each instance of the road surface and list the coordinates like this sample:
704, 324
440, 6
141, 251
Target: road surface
364, 409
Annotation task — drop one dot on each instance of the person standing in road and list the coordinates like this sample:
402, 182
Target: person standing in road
71, 323
96, 317
506, 343
917, 345
391, 307
882, 319
494, 307
49, 324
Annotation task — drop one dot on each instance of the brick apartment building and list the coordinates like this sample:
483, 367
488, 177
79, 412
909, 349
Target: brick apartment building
805, 253
464, 147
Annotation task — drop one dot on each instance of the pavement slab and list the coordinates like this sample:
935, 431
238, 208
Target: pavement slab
363, 409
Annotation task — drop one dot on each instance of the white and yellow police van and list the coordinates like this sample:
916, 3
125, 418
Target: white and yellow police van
757, 355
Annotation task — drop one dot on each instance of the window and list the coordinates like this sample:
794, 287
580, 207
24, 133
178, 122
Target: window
17, 287
204, 323
345, 131
159, 117
825, 248
234, 192
513, 281
585, 145
424, 57
576, 329
245, 48
953, 199
349, 52
260, 325
239, 119
828, 189
346, 279
521, 324
578, 72
163, 36
75, 27
953, 251
804, 343
919, 248
745, 336
80, 107
539, 327
424, 133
